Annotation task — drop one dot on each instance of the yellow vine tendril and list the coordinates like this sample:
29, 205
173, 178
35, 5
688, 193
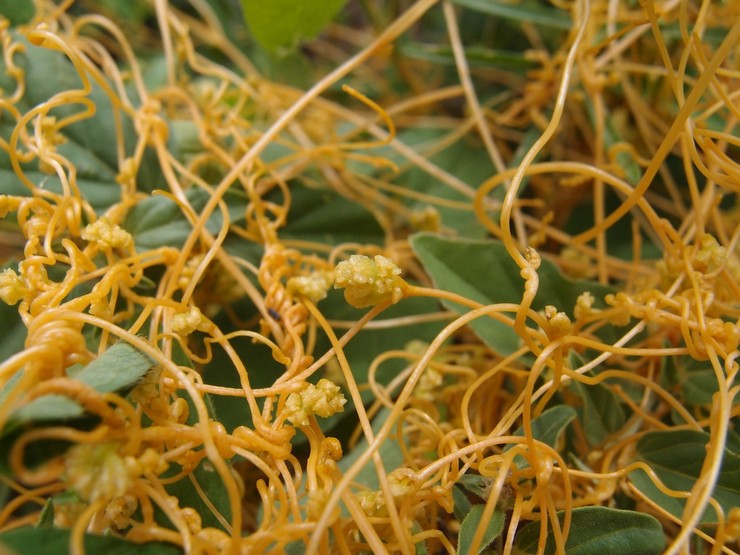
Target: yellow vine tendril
78, 276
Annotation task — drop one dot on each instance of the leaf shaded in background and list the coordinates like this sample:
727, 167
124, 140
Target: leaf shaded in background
53, 541
603, 413
14, 332
91, 143
389, 451
17, 12
158, 221
283, 24
546, 428
527, 11
482, 270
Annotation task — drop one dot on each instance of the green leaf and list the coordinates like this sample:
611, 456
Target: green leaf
421, 547
120, 367
155, 222
297, 547
470, 525
262, 367
91, 144
211, 483
733, 437
523, 11
668, 369
17, 12
37, 452
611, 137
158, 221
99, 189
14, 332
600, 531
46, 518
48, 407
546, 428
285, 23
390, 453
694, 381
698, 380
52, 541
475, 55
677, 457
700, 386
631, 169
462, 504
125, 12
483, 271
603, 414
467, 161
324, 216
476, 484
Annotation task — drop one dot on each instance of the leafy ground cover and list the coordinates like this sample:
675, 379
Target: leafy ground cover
349, 277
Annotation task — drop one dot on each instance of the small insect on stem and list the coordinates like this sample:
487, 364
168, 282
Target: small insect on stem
274, 314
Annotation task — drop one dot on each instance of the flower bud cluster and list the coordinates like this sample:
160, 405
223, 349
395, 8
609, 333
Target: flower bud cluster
185, 323
98, 471
323, 399
402, 482
106, 235
367, 282
313, 286
12, 287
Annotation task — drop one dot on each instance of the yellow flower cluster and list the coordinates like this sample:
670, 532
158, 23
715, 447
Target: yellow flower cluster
711, 256
323, 399
185, 323
367, 282
402, 482
429, 382
559, 321
313, 286
12, 287
584, 305
106, 235
426, 219
98, 471
372, 503
317, 500
118, 512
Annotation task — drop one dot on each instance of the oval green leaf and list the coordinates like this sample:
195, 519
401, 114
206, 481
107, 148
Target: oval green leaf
470, 525
119, 367
677, 457
16, 12
51, 541
483, 271
91, 144
603, 414
284, 23
600, 531
523, 11
548, 426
